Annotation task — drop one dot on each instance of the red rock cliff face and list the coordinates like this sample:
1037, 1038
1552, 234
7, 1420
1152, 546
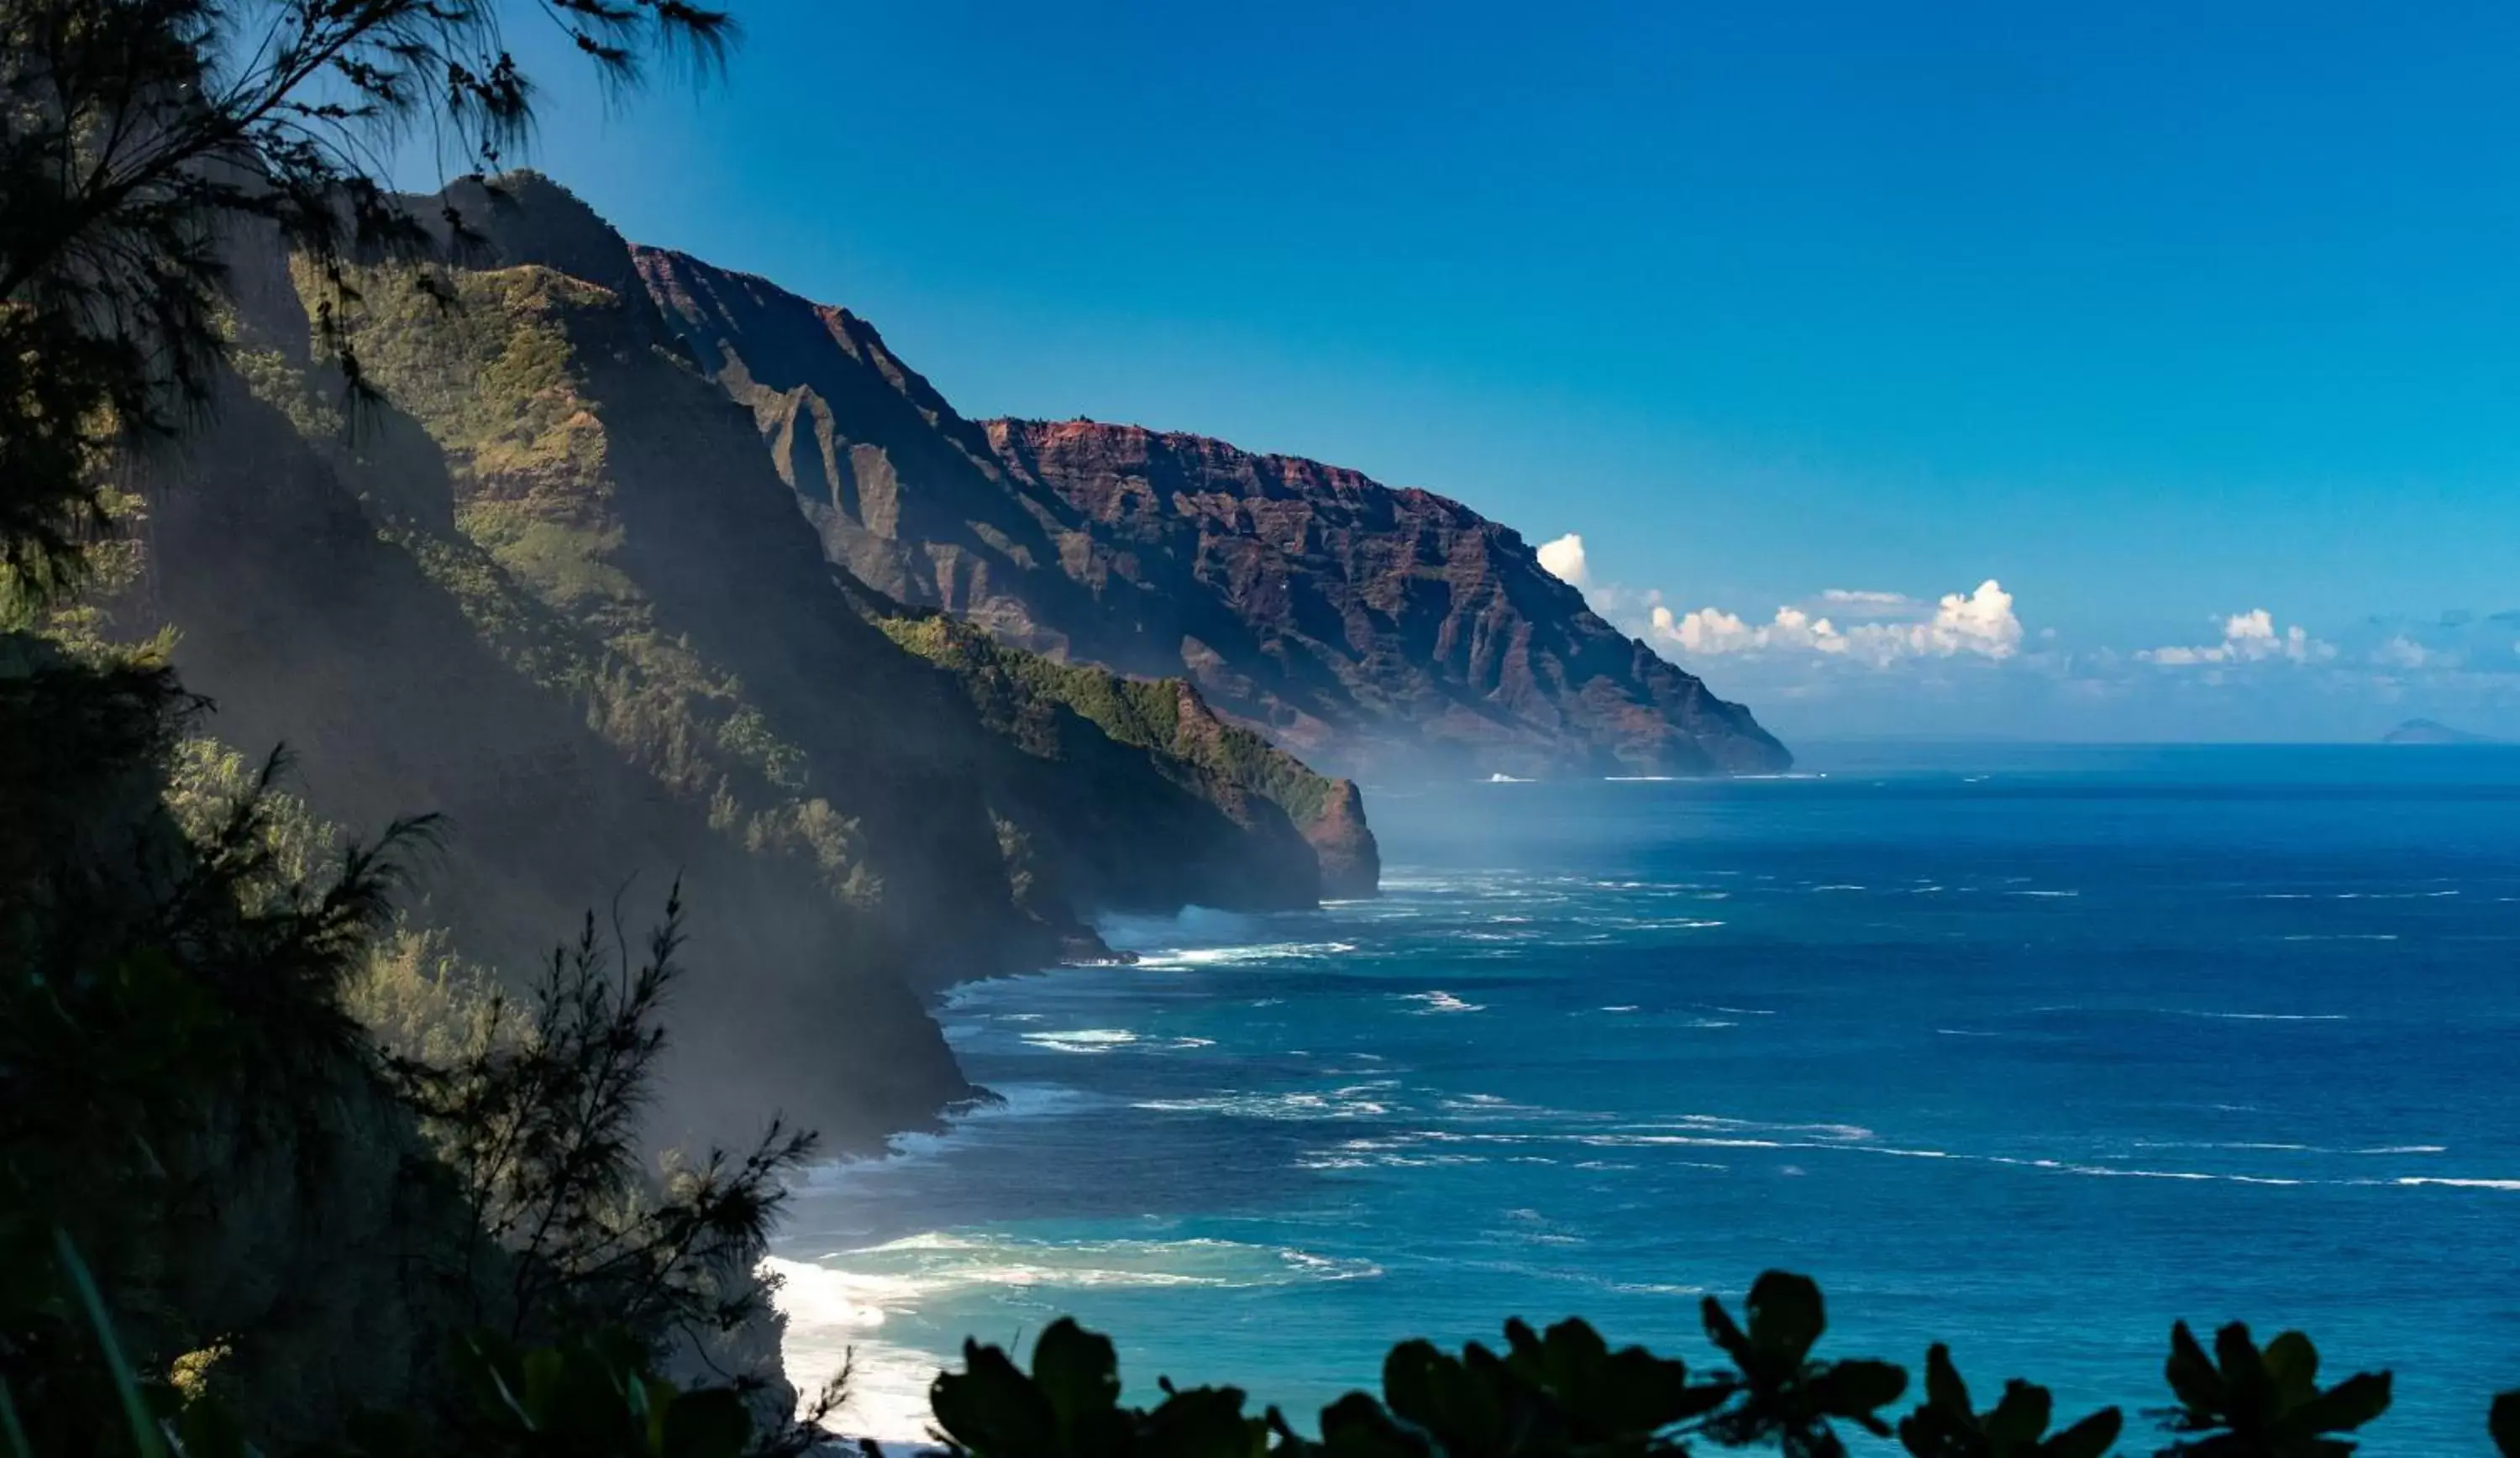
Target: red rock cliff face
1376, 631
1377, 626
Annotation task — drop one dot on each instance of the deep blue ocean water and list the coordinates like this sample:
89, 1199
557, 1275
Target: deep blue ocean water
2028, 1049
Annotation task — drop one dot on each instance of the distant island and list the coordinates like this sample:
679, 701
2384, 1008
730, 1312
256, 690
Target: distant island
2432, 731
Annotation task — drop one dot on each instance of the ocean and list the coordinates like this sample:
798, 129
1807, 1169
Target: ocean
2027, 1049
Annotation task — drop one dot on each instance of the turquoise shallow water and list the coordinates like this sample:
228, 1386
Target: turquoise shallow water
2030, 1051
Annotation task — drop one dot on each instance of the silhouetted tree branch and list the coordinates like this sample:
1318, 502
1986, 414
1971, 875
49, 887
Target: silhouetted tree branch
137, 137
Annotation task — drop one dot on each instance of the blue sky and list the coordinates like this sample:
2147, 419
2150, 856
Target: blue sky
2156, 315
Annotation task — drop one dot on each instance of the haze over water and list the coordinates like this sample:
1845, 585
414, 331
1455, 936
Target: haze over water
2030, 1050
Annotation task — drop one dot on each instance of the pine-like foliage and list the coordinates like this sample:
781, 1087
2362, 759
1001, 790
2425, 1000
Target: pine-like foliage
169, 1007
540, 1124
139, 137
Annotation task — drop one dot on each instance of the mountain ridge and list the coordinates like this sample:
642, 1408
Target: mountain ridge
1391, 633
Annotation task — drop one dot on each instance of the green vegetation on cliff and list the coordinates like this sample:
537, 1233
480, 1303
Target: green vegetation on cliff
531, 549
1018, 693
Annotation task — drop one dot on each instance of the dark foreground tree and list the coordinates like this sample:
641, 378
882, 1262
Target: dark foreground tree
138, 139
194, 1136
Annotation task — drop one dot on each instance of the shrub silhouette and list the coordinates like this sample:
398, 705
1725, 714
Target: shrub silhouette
1563, 1392
2016, 1427
1782, 1394
1069, 1406
1566, 1393
2264, 1404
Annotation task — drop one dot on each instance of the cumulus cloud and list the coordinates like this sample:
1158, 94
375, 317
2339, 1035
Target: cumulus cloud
2247, 637
2403, 651
1564, 560
1981, 623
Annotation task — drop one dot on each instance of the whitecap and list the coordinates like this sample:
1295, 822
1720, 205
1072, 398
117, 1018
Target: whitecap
1330, 1267
1848, 1133
2462, 1184
2102, 1171
1355, 1101
1440, 1001
1691, 1141
1228, 956
1083, 1040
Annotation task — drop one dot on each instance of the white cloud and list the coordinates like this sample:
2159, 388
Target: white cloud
1564, 560
1981, 623
2403, 651
2247, 637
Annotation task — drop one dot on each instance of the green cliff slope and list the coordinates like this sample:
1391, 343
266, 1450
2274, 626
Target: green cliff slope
551, 587
1070, 713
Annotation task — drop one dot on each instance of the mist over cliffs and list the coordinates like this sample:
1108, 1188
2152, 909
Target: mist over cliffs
1380, 632
550, 587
